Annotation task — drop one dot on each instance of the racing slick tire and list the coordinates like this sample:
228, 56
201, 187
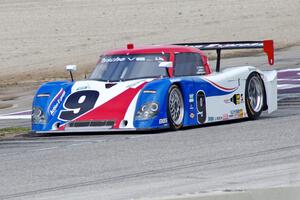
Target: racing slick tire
175, 108
254, 96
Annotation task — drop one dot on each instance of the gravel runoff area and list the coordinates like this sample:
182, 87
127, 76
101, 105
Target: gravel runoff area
39, 37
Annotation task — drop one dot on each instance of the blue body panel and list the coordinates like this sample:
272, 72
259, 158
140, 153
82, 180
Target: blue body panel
189, 87
161, 86
48, 103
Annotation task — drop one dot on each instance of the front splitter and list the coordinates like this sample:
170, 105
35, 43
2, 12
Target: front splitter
93, 130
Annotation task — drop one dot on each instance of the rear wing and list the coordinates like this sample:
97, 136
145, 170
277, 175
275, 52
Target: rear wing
266, 45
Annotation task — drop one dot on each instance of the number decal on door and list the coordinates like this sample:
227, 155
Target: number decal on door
78, 103
201, 107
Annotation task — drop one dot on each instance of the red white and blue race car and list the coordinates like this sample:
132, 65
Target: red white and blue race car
157, 87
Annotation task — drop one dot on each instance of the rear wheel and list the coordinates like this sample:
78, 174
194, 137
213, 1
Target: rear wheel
175, 108
254, 95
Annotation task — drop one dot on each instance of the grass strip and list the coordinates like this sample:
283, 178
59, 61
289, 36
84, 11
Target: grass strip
13, 131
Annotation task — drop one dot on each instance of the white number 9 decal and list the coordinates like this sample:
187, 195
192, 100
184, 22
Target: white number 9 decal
78, 103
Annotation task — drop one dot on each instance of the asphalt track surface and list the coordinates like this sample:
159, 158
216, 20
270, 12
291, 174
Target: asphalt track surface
223, 157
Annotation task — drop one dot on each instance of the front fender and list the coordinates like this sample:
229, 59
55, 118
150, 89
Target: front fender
49, 98
155, 91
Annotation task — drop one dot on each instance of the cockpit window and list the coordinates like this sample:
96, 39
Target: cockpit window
188, 64
128, 67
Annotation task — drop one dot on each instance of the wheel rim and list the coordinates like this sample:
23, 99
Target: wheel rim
176, 106
255, 94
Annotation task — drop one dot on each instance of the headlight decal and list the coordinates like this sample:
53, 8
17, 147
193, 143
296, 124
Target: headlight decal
38, 116
147, 111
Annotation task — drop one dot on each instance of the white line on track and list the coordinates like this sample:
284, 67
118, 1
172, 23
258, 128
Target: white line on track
287, 86
15, 117
288, 79
45, 149
18, 112
289, 70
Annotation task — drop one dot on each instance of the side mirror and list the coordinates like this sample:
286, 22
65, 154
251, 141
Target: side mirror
71, 68
166, 64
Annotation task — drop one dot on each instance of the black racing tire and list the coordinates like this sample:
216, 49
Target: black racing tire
254, 96
175, 107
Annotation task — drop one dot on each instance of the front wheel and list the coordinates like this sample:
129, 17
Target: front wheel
175, 108
254, 95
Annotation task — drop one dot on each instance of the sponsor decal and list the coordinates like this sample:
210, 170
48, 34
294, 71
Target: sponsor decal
225, 117
234, 112
191, 106
213, 119
200, 70
191, 101
192, 115
149, 91
56, 102
191, 98
241, 113
227, 46
236, 99
141, 59
43, 95
131, 59
237, 113
163, 121
109, 60
84, 87
219, 118
210, 119
242, 98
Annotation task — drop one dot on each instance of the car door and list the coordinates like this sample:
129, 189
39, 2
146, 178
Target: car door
189, 67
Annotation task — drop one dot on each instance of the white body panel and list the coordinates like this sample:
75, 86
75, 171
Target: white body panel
220, 108
270, 81
106, 93
109, 93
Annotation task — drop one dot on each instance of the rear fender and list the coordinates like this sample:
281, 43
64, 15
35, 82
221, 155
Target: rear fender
270, 82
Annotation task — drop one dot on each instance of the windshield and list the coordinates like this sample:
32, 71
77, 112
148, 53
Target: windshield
127, 67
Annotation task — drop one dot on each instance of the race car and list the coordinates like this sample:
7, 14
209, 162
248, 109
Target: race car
157, 87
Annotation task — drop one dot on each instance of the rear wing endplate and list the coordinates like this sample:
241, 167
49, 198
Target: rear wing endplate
266, 45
